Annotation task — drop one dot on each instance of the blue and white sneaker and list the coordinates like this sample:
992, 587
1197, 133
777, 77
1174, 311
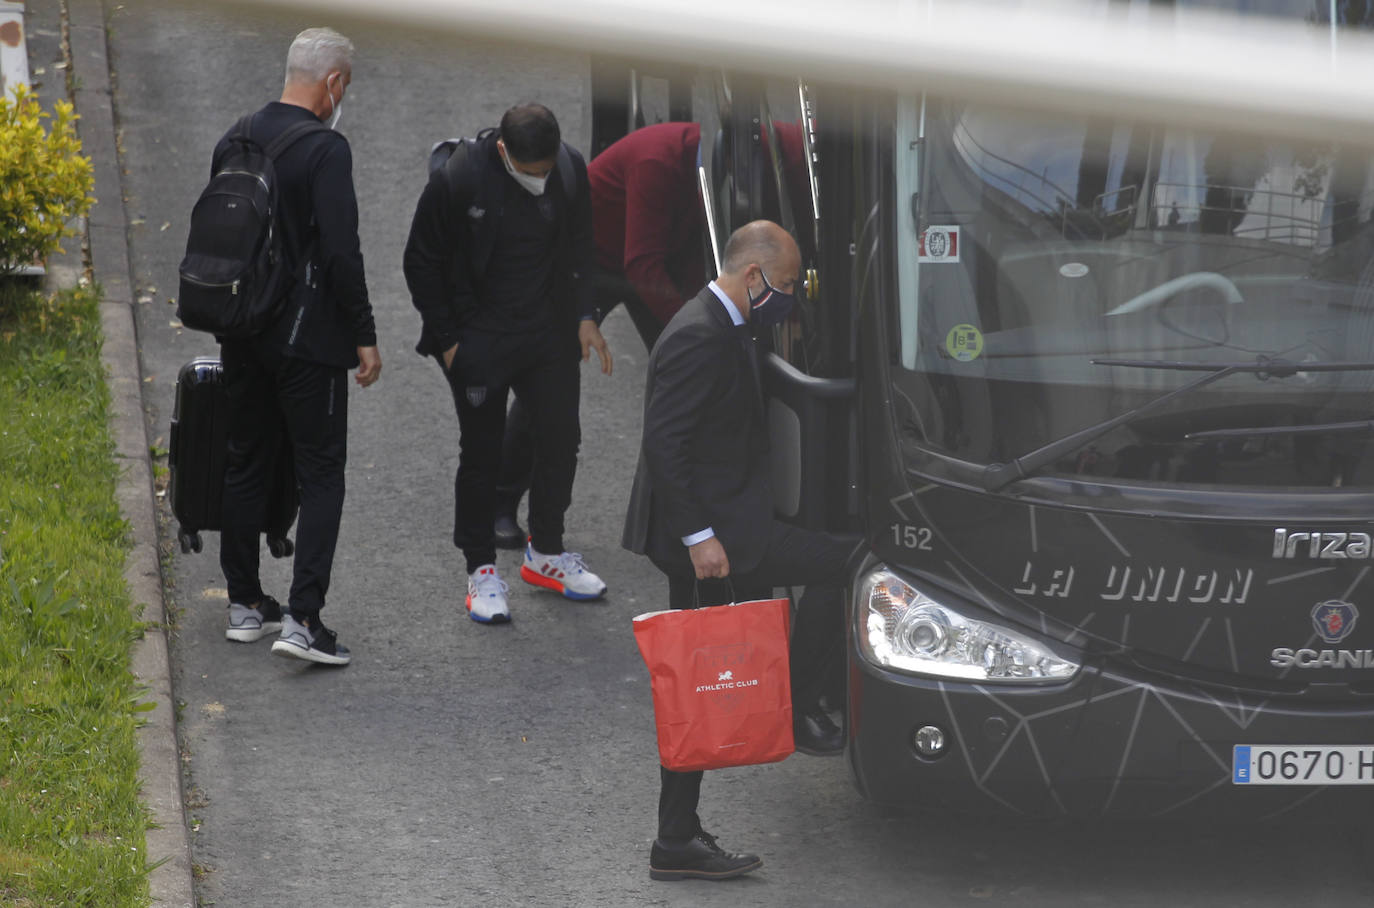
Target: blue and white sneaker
565, 573
486, 600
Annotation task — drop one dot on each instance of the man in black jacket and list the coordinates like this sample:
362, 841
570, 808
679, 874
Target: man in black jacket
702, 509
496, 262
298, 367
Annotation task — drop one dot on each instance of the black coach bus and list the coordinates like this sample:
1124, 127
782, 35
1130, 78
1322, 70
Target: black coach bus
1098, 392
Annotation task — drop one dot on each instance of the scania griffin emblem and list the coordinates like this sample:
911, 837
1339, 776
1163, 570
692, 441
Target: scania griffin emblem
1334, 620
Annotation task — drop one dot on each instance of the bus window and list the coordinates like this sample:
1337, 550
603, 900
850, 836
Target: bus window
1039, 244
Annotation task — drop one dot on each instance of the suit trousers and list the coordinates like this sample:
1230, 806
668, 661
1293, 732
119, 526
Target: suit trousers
544, 372
262, 385
517, 450
794, 557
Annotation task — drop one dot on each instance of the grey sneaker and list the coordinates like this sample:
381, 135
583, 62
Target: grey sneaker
317, 644
248, 624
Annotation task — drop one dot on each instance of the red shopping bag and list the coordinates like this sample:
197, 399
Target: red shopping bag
722, 692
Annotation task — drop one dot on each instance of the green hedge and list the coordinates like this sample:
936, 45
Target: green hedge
45, 181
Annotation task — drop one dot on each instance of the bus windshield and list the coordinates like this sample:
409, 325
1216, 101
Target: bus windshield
1032, 247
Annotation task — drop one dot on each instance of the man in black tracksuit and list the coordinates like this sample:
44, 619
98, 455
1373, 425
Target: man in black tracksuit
293, 377
498, 250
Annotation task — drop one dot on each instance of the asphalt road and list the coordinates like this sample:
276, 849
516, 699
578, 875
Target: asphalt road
457, 764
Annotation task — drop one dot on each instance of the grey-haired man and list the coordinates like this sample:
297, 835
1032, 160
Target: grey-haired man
298, 366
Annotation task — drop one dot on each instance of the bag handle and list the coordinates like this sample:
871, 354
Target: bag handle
696, 591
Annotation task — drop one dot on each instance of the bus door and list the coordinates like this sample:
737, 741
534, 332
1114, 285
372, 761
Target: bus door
766, 161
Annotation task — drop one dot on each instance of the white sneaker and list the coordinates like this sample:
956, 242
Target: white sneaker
564, 573
487, 596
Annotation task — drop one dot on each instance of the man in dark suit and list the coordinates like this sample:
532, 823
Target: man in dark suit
702, 509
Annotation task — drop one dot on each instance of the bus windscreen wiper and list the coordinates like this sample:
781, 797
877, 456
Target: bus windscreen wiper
1359, 426
999, 475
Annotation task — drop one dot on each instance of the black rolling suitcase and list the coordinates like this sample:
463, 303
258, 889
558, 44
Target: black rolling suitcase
198, 454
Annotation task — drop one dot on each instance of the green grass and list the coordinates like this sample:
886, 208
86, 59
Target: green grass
71, 822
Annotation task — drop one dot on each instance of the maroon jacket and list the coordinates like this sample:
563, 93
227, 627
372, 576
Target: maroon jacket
646, 214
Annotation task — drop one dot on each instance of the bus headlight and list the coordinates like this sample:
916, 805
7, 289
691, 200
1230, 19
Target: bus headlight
904, 629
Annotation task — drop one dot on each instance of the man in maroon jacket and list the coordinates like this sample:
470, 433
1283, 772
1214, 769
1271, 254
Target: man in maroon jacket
647, 223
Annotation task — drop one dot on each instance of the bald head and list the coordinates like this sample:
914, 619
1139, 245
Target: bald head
757, 256
761, 243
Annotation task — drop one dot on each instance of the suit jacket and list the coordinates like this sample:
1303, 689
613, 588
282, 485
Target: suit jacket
703, 460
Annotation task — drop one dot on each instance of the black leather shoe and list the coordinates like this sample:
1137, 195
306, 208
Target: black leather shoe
508, 533
699, 858
815, 733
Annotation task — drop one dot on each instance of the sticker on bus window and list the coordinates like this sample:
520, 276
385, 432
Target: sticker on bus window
964, 343
938, 245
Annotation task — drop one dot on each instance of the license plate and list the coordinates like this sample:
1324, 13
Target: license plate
1302, 764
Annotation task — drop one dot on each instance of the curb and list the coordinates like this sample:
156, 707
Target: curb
168, 841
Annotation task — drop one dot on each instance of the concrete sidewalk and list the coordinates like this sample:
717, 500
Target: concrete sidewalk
84, 31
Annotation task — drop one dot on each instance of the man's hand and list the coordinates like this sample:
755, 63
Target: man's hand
449, 354
369, 365
708, 557
590, 336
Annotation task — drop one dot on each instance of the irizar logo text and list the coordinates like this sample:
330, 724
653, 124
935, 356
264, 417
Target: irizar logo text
1329, 546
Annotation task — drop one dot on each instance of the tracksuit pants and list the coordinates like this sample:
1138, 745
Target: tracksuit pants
542, 368
518, 448
271, 394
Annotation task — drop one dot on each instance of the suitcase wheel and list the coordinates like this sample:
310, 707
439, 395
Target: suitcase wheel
190, 542
280, 546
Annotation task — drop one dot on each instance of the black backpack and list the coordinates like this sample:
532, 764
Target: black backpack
233, 279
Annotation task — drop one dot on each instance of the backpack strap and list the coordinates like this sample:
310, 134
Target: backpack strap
241, 133
566, 172
243, 129
284, 140
457, 176
441, 151
292, 134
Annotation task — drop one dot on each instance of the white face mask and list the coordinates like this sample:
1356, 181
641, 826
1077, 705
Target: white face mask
531, 184
335, 108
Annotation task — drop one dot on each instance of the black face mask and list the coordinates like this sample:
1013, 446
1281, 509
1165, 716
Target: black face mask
772, 306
